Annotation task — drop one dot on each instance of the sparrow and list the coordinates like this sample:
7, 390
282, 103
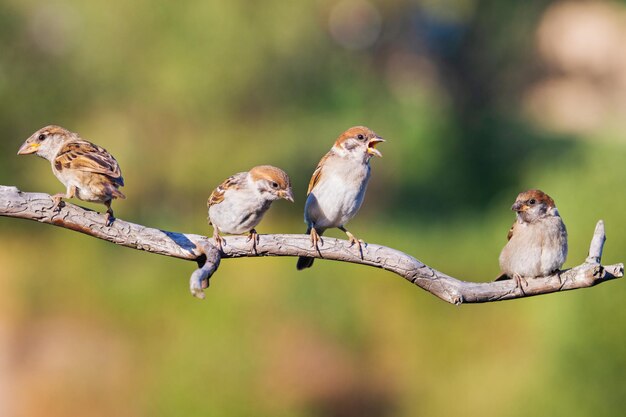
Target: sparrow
87, 170
338, 185
238, 204
537, 241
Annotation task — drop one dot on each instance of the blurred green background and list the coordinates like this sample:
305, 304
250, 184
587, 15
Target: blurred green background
478, 100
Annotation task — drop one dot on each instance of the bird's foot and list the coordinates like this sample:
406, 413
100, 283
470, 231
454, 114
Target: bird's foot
110, 217
558, 273
219, 240
353, 240
58, 202
519, 280
316, 239
254, 237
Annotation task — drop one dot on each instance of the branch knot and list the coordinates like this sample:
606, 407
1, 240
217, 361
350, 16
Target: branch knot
208, 262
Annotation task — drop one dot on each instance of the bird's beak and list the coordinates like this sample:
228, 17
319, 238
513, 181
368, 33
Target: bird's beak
519, 207
287, 195
371, 146
28, 148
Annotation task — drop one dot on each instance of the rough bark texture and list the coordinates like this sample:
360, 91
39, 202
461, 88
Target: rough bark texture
38, 207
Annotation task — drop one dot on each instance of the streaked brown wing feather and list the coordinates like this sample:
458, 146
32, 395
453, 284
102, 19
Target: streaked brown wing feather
511, 231
315, 178
216, 197
88, 157
232, 182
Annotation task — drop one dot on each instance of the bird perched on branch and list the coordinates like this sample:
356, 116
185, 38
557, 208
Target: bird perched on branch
87, 170
238, 204
338, 185
537, 245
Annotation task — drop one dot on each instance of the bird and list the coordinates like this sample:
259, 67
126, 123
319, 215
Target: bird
537, 241
238, 204
88, 171
338, 185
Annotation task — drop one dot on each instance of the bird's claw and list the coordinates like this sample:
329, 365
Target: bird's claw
359, 242
316, 239
254, 237
219, 240
354, 240
518, 281
558, 275
110, 218
58, 202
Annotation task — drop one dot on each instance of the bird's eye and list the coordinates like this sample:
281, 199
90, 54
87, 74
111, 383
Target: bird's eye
531, 201
41, 136
360, 137
274, 185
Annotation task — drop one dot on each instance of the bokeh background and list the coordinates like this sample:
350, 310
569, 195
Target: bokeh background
478, 100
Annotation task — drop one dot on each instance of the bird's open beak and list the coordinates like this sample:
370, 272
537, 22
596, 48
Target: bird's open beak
371, 146
28, 148
287, 195
519, 207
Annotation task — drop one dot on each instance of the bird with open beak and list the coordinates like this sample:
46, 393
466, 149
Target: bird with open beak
87, 170
338, 185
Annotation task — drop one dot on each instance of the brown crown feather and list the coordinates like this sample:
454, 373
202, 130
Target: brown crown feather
538, 195
271, 173
355, 131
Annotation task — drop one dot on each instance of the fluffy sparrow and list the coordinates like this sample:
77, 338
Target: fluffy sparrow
238, 204
88, 171
537, 245
338, 185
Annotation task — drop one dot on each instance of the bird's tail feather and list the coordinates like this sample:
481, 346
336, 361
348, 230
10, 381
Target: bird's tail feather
117, 193
110, 187
502, 277
305, 261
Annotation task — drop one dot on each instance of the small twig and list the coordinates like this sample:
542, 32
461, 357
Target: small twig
597, 244
38, 207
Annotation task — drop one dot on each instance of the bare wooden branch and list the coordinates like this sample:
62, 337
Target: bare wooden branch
38, 207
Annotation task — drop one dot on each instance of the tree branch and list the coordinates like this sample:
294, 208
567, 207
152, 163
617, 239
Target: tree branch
38, 207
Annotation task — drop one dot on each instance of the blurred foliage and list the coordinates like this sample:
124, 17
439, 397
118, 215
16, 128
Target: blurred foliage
186, 93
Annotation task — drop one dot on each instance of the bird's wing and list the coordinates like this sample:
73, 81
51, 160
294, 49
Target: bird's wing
88, 157
315, 178
233, 182
511, 231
